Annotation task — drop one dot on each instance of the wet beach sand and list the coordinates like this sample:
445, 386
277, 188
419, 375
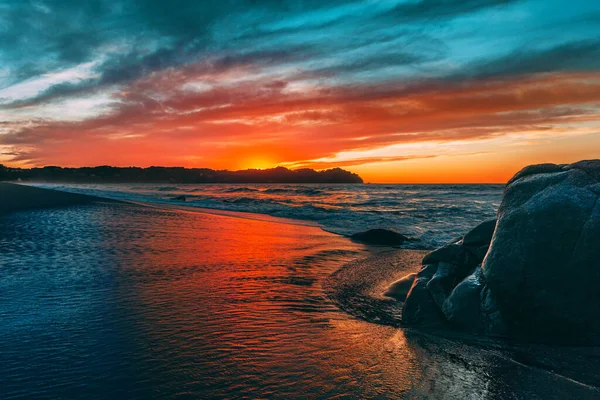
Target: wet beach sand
14, 197
105, 299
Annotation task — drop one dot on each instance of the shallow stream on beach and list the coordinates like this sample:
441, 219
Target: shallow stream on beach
120, 301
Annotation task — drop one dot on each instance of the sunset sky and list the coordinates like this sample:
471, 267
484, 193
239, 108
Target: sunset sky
394, 90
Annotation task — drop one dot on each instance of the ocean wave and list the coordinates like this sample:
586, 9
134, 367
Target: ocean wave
275, 190
240, 190
292, 190
434, 214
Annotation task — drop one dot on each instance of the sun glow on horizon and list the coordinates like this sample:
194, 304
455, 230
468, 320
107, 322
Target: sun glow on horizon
257, 163
417, 97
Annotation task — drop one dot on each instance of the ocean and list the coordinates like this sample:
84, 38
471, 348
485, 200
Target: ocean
116, 300
433, 214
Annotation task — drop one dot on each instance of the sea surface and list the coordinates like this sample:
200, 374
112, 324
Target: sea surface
122, 301
433, 214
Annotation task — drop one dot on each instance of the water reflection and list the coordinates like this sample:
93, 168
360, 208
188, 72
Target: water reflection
128, 302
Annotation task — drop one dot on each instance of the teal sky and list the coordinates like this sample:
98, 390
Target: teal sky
316, 83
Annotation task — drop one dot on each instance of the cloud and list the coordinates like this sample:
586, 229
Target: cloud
580, 55
435, 9
137, 38
124, 81
233, 116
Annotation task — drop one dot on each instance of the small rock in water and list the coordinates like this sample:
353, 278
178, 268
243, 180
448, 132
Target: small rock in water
399, 289
382, 237
180, 198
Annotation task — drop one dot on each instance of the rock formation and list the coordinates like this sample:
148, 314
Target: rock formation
532, 274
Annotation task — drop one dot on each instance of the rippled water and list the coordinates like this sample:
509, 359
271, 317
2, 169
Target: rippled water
118, 301
434, 214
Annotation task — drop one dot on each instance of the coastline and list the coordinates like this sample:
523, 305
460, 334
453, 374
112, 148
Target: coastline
339, 209
357, 288
17, 197
23, 197
163, 252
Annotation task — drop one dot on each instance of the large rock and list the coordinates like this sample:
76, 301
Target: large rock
420, 309
443, 269
543, 266
540, 278
463, 308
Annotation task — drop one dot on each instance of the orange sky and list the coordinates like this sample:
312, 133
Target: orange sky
394, 91
483, 131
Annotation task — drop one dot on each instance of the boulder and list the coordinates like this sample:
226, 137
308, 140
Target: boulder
446, 277
477, 241
399, 289
456, 254
462, 308
481, 234
443, 269
543, 266
420, 309
382, 237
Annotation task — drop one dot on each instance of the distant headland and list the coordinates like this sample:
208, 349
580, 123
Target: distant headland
176, 175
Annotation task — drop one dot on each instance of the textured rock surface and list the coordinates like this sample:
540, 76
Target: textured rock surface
538, 279
463, 308
400, 288
436, 299
543, 267
420, 308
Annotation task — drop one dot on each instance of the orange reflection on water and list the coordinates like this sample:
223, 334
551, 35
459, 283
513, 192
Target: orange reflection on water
227, 307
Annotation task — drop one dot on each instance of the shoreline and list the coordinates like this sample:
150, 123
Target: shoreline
16, 197
355, 290
24, 197
342, 211
250, 215
357, 287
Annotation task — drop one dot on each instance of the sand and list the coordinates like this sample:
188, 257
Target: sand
359, 287
16, 197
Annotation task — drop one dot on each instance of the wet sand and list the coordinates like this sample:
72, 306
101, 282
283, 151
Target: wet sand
358, 287
550, 371
116, 300
16, 197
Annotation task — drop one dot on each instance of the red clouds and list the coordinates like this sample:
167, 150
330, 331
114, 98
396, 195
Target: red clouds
199, 116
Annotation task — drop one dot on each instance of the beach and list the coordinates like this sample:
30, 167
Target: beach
111, 299
22, 197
